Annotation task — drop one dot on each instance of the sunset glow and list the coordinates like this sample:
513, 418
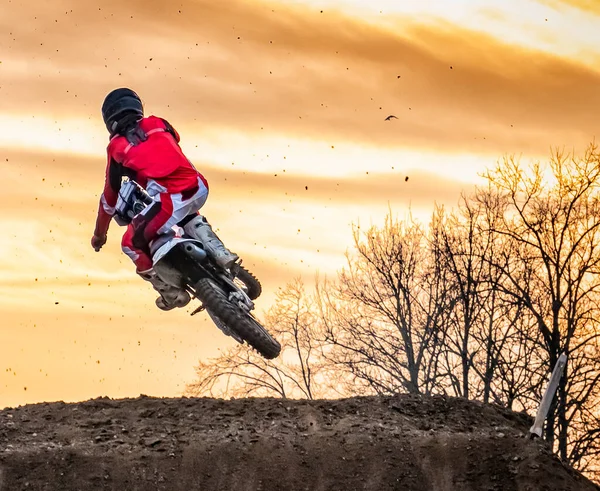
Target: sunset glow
282, 106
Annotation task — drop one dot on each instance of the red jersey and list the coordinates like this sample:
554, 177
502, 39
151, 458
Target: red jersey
156, 160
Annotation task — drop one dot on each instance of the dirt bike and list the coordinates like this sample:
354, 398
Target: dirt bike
180, 260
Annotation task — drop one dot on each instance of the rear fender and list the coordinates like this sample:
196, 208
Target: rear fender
192, 246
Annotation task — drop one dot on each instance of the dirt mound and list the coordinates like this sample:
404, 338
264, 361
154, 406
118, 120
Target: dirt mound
147, 444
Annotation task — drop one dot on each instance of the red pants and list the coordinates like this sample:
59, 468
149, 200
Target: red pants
158, 218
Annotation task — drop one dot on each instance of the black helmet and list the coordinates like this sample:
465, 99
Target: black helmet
121, 104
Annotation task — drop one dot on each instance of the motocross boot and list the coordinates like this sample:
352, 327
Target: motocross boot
200, 229
170, 296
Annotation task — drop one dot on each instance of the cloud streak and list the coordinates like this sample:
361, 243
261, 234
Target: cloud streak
255, 68
53, 201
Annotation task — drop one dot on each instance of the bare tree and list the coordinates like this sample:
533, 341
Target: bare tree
385, 314
583, 406
297, 372
486, 327
552, 222
462, 244
238, 372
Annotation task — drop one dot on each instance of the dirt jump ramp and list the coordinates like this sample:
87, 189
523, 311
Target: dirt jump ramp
407, 443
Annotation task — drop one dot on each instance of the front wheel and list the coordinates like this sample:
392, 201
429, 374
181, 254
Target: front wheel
216, 302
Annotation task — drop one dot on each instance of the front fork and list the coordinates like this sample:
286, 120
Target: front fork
237, 296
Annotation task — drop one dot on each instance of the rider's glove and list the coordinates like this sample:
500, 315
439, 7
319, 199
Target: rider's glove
98, 242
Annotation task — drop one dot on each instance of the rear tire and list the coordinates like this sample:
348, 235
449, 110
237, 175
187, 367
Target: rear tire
250, 281
243, 323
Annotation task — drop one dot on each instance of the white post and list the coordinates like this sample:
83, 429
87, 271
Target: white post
542, 411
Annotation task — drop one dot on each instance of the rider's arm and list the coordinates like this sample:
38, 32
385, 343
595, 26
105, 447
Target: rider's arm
108, 199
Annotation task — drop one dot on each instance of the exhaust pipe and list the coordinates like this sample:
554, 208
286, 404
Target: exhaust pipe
194, 251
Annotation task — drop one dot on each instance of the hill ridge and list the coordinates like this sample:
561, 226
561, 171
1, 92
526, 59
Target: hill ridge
403, 442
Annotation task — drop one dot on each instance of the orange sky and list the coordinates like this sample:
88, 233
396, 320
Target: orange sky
270, 98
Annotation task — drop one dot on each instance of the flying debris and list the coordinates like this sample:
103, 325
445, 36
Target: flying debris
390, 117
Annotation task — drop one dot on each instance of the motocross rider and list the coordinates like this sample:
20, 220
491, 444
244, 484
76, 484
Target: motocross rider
146, 149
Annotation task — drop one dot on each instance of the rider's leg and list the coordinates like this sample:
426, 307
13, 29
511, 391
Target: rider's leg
199, 228
135, 245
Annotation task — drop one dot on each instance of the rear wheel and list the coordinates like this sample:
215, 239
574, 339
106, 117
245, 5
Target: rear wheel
216, 301
253, 286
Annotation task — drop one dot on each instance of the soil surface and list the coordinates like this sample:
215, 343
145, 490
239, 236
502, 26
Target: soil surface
372, 443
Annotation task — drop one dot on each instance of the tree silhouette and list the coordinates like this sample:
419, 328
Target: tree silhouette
297, 372
384, 317
551, 218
